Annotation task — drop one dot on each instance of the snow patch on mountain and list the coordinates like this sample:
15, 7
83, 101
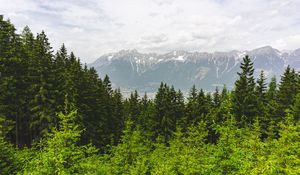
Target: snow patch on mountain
132, 69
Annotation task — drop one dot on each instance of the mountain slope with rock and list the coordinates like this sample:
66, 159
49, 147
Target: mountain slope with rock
129, 69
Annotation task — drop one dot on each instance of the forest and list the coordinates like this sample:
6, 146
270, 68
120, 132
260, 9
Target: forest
58, 117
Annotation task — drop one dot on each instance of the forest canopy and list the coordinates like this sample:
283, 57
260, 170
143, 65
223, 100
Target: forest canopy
58, 117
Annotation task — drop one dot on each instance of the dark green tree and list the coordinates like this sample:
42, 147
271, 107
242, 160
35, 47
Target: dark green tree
216, 98
192, 107
288, 89
244, 98
261, 94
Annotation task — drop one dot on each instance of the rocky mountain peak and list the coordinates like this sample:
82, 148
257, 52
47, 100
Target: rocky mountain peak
131, 69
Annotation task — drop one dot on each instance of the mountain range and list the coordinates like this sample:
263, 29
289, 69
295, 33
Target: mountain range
130, 69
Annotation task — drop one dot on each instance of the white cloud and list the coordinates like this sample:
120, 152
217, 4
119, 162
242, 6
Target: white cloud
92, 28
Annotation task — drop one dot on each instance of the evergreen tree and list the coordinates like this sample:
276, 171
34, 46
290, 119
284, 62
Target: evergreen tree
272, 90
8, 39
216, 98
165, 121
288, 88
43, 113
117, 120
146, 120
202, 102
224, 93
60, 69
59, 154
13, 82
244, 99
261, 94
269, 122
134, 106
192, 107
129, 156
95, 109
295, 108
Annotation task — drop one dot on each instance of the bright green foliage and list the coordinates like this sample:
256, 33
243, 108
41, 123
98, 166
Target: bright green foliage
282, 156
288, 151
59, 153
8, 162
186, 154
11, 159
130, 156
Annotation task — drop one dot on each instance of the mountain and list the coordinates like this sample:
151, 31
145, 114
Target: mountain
130, 69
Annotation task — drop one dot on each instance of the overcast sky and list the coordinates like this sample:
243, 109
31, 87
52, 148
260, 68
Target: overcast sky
91, 28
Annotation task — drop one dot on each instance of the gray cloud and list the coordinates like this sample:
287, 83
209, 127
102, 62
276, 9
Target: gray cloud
95, 27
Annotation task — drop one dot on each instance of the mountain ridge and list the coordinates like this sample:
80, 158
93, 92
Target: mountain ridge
130, 69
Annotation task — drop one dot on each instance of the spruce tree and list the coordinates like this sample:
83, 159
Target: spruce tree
165, 121
117, 120
42, 104
192, 107
288, 88
134, 108
216, 98
271, 118
224, 93
261, 94
272, 89
202, 102
295, 108
244, 99
13, 82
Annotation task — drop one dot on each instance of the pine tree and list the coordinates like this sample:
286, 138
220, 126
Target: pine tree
224, 94
72, 76
13, 82
147, 121
271, 119
134, 106
244, 99
164, 119
42, 104
295, 108
61, 71
216, 98
261, 94
272, 90
60, 154
8, 39
117, 125
192, 107
179, 107
288, 88
202, 102
95, 109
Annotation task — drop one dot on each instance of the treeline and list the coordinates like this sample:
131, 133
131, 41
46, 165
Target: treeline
35, 83
58, 117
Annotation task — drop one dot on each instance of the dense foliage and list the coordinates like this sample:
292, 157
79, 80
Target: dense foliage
58, 117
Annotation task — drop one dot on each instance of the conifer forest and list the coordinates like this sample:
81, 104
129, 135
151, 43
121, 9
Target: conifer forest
57, 117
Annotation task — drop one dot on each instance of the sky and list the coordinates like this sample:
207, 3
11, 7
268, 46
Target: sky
91, 28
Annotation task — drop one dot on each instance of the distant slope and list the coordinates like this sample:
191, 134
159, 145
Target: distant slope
130, 69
